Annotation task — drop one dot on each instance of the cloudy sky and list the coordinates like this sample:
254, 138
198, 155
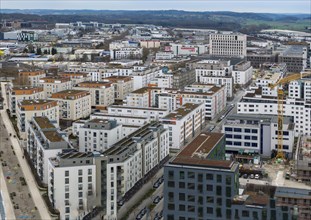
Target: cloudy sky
275, 6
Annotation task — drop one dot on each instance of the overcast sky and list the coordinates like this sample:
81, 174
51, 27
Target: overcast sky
275, 6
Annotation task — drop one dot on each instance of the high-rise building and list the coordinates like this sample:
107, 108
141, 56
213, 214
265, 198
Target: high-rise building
228, 44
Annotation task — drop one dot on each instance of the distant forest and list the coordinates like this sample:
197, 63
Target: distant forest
243, 22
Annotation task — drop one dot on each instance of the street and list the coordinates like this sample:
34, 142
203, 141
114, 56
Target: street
27, 173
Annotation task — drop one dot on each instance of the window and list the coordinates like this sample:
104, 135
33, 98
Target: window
191, 208
237, 136
247, 130
209, 176
181, 185
181, 175
209, 199
80, 180
191, 186
237, 129
228, 203
228, 214
228, 191
171, 206
89, 171
66, 180
219, 178
254, 131
170, 174
66, 202
182, 207
228, 180
245, 213
67, 210
80, 194
171, 184
191, 198
228, 129
219, 201
182, 196
254, 137
218, 190
191, 175
66, 173
209, 210
80, 172
200, 177
66, 195
89, 178
209, 187
218, 212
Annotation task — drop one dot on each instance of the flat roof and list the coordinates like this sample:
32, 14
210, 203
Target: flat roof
53, 136
182, 111
43, 122
141, 90
143, 108
203, 143
94, 84
36, 102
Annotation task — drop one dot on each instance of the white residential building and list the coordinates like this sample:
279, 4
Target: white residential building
183, 123
138, 98
216, 72
26, 109
44, 141
242, 73
23, 93
266, 80
73, 104
129, 161
72, 184
123, 85
228, 44
143, 77
258, 134
32, 78
148, 112
126, 53
299, 109
76, 78
53, 84
102, 93
98, 135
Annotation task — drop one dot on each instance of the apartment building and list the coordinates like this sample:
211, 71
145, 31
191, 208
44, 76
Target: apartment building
138, 98
227, 44
198, 182
300, 89
98, 135
44, 140
26, 109
73, 104
150, 43
143, 77
126, 53
259, 202
19, 93
295, 57
53, 84
76, 78
102, 93
183, 123
148, 112
72, 184
31, 78
213, 96
242, 73
216, 72
123, 85
127, 162
302, 165
259, 57
258, 134
264, 82
254, 103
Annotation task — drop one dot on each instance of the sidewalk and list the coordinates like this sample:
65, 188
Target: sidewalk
38, 200
8, 207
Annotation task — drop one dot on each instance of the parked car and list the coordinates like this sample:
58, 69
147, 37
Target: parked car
156, 184
245, 176
121, 202
257, 177
252, 176
157, 199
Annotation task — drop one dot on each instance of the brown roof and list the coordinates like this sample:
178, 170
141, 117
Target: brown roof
203, 143
118, 78
43, 122
142, 90
70, 94
94, 84
26, 90
40, 104
52, 79
182, 111
34, 73
53, 136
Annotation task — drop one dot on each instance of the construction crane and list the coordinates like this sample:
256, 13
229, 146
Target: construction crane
280, 99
